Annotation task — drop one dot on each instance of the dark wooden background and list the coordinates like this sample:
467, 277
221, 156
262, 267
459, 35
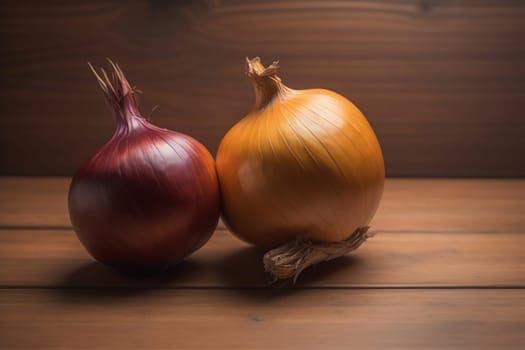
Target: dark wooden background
442, 82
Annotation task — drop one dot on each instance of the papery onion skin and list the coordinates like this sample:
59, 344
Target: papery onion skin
302, 163
148, 197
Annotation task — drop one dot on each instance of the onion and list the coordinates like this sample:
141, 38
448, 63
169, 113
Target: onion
303, 172
149, 196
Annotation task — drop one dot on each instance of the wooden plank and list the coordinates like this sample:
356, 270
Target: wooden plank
250, 319
34, 202
408, 204
442, 82
56, 259
493, 205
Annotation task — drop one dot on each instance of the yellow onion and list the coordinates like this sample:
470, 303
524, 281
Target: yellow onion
303, 173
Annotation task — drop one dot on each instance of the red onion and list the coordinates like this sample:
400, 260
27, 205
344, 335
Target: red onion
149, 196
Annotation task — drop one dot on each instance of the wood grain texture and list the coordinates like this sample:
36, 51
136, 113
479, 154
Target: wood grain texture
56, 259
34, 202
448, 273
248, 319
442, 83
418, 205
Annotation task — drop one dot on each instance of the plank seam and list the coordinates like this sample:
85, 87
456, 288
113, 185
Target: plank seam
287, 287
223, 229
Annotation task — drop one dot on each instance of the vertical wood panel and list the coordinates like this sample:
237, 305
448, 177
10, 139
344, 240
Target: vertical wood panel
442, 82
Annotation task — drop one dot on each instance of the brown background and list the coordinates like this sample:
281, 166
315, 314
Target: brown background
442, 82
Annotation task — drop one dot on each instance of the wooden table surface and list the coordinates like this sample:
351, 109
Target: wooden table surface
446, 271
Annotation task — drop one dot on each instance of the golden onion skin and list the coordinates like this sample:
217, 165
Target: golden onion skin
302, 163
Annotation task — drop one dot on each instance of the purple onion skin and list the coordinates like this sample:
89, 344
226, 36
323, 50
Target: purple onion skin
147, 198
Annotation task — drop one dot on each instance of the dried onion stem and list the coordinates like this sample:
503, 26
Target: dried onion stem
289, 260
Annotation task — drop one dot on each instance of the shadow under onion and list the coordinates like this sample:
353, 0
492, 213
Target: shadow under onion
95, 282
